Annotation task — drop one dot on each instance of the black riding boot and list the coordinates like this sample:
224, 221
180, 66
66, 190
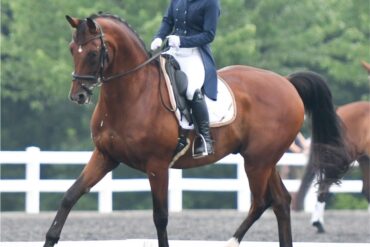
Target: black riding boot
202, 145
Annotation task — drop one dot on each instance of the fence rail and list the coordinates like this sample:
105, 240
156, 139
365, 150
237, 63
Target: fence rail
32, 185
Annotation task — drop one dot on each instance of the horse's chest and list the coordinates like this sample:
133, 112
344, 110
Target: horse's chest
104, 136
119, 144
105, 140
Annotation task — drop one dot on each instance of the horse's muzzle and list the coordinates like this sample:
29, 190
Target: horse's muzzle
81, 97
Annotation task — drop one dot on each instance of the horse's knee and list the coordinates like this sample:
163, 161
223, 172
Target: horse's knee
70, 198
259, 206
281, 206
282, 210
67, 201
288, 198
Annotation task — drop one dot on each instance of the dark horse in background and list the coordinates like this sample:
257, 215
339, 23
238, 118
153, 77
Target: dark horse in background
131, 124
356, 121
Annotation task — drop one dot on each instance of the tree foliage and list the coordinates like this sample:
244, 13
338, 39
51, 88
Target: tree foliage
327, 36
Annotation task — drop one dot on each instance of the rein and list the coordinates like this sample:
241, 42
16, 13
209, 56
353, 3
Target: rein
98, 79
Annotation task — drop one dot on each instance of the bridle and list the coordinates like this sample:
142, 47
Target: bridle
98, 78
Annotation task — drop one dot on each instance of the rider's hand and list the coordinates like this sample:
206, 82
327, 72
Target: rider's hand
156, 43
174, 41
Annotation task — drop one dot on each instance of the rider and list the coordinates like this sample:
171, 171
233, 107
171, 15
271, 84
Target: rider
190, 26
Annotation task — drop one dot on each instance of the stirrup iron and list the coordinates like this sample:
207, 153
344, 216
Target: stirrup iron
204, 143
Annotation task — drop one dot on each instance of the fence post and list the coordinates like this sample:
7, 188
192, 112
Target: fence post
105, 197
243, 193
175, 190
33, 179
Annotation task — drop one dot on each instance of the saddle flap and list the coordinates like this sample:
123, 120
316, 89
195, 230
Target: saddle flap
179, 84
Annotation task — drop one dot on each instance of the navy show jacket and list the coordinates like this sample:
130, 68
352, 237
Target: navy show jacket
195, 22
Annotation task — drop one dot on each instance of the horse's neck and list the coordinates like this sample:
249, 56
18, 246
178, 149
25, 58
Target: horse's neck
129, 93
128, 55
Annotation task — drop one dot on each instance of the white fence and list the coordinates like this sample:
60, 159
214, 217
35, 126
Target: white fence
32, 185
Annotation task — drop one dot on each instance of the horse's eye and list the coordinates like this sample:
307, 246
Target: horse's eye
92, 54
92, 58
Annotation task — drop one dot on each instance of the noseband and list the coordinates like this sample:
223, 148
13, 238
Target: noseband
99, 78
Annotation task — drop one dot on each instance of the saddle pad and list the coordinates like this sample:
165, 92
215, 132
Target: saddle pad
221, 112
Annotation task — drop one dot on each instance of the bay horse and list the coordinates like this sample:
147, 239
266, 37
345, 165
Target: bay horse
356, 118
132, 125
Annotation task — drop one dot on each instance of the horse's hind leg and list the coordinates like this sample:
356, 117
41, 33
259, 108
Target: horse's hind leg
281, 206
298, 199
258, 183
317, 218
94, 171
364, 163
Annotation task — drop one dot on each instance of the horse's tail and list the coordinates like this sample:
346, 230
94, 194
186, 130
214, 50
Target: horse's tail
328, 153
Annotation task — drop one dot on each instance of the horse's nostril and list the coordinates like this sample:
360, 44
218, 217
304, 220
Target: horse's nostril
81, 97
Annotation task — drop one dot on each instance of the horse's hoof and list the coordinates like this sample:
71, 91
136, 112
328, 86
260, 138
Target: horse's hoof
319, 226
50, 242
232, 242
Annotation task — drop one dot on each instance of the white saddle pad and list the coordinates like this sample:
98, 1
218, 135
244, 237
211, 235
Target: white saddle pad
221, 112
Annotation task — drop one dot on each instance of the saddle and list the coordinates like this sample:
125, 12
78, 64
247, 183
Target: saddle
221, 112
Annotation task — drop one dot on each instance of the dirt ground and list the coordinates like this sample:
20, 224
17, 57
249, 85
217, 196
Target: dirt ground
342, 226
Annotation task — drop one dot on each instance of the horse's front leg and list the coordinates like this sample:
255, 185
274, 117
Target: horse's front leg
93, 172
158, 178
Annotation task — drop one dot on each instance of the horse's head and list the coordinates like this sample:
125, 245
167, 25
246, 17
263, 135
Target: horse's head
90, 57
366, 67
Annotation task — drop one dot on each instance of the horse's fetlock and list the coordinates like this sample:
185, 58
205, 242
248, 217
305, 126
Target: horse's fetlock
161, 221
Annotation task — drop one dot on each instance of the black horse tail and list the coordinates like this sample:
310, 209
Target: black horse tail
328, 154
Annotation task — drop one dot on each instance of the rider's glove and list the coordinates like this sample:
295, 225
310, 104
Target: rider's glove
156, 43
174, 41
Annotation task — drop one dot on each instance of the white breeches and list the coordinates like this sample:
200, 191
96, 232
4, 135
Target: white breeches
191, 63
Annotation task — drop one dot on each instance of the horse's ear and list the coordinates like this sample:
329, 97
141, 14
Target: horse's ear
366, 66
92, 25
74, 22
